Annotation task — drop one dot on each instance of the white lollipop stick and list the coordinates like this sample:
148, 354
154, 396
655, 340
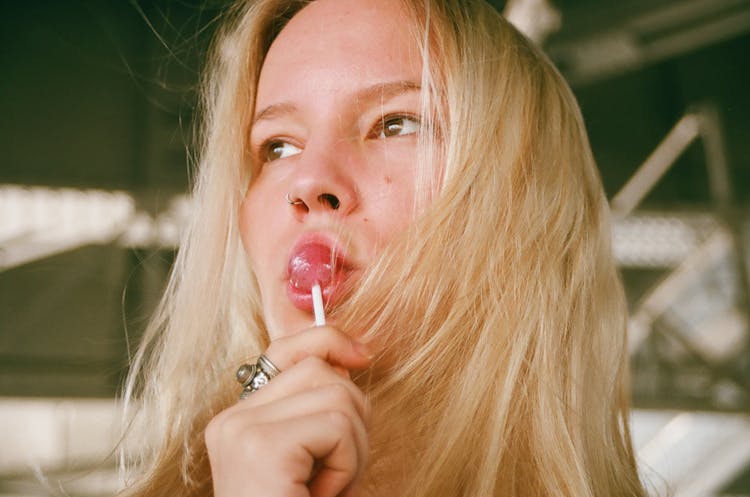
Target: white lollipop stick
317, 298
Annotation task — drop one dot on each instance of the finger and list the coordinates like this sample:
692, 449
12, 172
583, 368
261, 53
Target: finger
326, 342
337, 395
310, 373
330, 439
293, 395
326, 399
330, 446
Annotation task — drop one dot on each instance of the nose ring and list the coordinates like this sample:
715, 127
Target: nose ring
296, 201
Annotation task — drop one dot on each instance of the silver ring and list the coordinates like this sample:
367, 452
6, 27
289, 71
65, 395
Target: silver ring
266, 365
253, 377
289, 200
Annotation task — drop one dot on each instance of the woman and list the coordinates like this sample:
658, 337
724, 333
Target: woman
429, 168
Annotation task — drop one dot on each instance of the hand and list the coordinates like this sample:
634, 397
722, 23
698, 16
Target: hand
303, 434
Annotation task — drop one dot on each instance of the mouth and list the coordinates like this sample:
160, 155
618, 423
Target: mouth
315, 259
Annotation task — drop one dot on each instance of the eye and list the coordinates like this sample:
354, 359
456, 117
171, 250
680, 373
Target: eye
278, 149
397, 125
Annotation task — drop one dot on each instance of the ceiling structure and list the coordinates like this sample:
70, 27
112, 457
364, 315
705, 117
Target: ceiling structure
96, 108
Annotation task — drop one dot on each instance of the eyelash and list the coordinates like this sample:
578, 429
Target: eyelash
376, 130
265, 148
380, 125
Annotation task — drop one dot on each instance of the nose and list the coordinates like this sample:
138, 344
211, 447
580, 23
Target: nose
327, 199
323, 183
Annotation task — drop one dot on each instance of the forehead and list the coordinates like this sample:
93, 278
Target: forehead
331, 42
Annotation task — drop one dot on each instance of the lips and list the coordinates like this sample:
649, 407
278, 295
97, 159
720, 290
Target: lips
315, 260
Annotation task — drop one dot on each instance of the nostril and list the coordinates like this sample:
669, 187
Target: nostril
330, 199
296, 203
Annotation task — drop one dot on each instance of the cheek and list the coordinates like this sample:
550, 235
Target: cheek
244, 225
249, 230
393, 206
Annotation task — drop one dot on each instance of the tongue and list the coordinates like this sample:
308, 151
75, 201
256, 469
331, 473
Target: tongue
309, 265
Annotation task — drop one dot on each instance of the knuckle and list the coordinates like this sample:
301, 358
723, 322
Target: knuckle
229, 426
330, 333
321, 342
235, 434
217, 429
340, 339
313, 365
317, 373
339, 393
255, 439
340, 421
329, 338
210, 434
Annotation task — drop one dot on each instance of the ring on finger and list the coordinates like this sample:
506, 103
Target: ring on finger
253, 377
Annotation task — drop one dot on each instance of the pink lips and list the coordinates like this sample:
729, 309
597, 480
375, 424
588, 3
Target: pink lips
314, 260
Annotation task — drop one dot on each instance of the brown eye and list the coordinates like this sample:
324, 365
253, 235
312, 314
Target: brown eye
278, 149
398, 126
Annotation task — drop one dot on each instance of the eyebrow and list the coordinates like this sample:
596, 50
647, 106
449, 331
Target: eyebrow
378, 91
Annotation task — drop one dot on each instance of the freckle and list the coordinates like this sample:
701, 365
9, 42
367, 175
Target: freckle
388, 180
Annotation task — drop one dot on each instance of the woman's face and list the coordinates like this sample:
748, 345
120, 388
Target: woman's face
334, 144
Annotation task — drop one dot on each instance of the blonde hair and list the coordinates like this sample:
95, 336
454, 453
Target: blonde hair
499, 316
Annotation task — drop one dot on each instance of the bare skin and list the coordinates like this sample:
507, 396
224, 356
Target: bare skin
307, 435
337, 114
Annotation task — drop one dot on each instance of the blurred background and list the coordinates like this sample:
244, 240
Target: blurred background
96, 110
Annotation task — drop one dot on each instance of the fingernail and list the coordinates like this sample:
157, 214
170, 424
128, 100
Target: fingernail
362, 349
